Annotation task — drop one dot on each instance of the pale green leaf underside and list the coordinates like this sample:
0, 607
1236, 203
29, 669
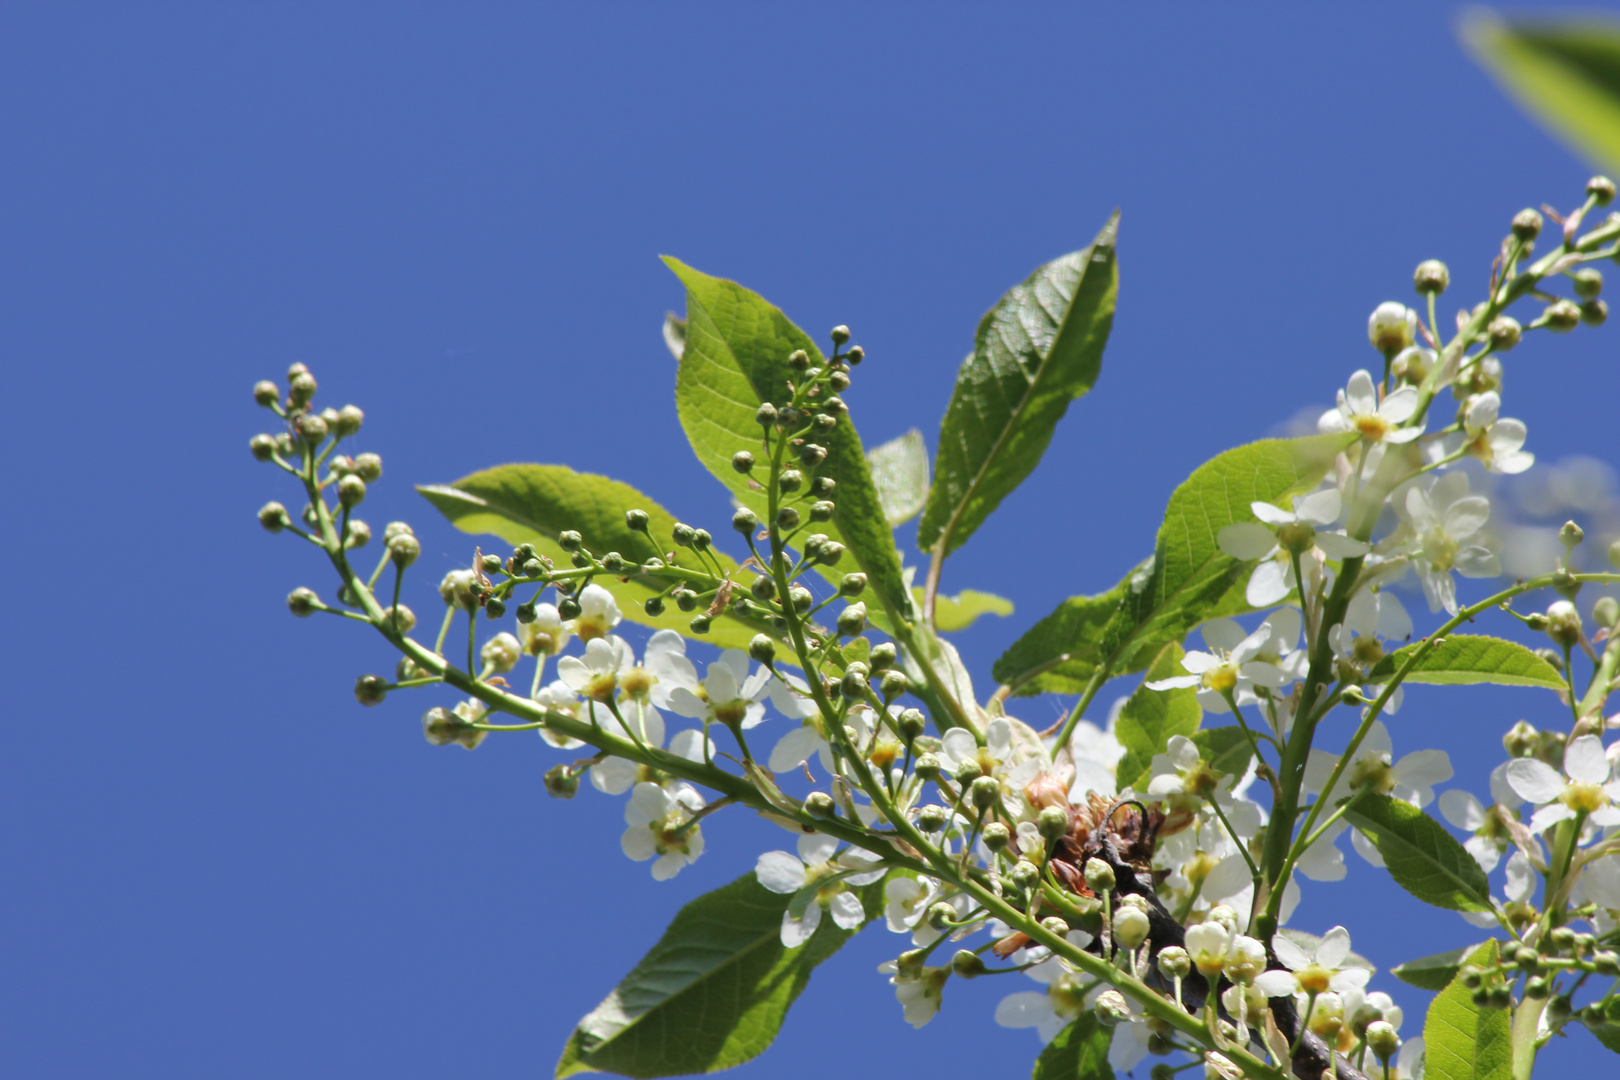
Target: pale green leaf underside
1226, 749
1463, 1041
1080, 1052
1038, 349
534, 503
900, 474
1423, 858
735, 358
1465, 658
953, 613
1566, 74
1432, 972
1151, 718
711, 994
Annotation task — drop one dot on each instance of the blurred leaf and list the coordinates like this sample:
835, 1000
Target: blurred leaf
674, 334
1463, 1041
900, 474
953, 613
1432, 972
1565, 73
1465, 658
1225, 749
1151, 717
1422, 856
533, 503
1605, 1033
1080, 1052
1189, 580
735, 358
1038, 349
712, 993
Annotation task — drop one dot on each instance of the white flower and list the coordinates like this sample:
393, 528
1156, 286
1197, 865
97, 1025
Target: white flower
782, 872
1496, 441
919, 994
1521, 885
616, 775
1442, 520
1207, 944
1368, 617
1096, 754
1048, 1011
1466, 812
1584, 787
654, 819
1229, 667
547, 634
1411, 779
810, 737
1360, 411
598, 613
1314, 972
1355, 998
667, 667
1277, 534
906, 902
728, 694
596, 676
1599, 884
1391, 327
557, 696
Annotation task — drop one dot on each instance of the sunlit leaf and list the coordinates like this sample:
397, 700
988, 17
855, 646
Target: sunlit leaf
953, 613
1464, 1041
900, 474
1465, 658
1151, 717
1423, 858
1432, 972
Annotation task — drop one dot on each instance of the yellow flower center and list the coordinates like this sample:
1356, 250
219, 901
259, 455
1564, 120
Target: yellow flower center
637, 682
1314, 979
601, 687
588, 627
1221, 679
1375, 773
1440, 549
731, 712
884, 752
1583, 798
1372, 427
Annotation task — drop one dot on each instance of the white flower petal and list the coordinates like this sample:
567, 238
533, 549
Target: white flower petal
780, 872
1399, 406
817, 848
1338, 546
1268, 585
1584, 760
796, 932
846, 911
1246, 540
1534, 781
1270, 515
1461, 809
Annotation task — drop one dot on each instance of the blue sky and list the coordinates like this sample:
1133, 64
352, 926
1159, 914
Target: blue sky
219, 865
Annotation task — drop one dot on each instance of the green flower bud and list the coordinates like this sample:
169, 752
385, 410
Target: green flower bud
1500, 998
966, 963
370, 689
745, 521
1431, 277
1161, 1071
1564, 623
1052, 924
1053, 823
911, 723
570, 540
700, 624
927, 768
839, 335
685, 599
790, 481
561, 782
1594, 312
274, 517
823, 487
301, 387
1606, 612
1099, 875
853, 684
358, 535
1174, 962
456, 589
762, 650
1562, 316
1570, 535
743, 462
303, 602
682, 534
968, 771
402, 618
1527, 224
820, 804
1600, 189
351, 491
855, 584
800, 598
490, 564
995, 836
654, 606
1024, 874
266, 393
787, 519
892, 685
1111, 1009
1382, 1040
494, 607
932, 818
403, 548
811, 455
984, 792
1588, 282
855, 355
798, 359
852, 620
311, 428
1560, 1007
1131, 926
349, 419
838, 380
263, 447
763, 588
397, 528
766, 415
1504, 332
824, 423
940, 915
822, 511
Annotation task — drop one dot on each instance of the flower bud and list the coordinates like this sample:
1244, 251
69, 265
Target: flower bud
266, 393
1024, 874
273, 516
1614, 554
765, 415
1504, 332
745, 521
301, 387
570, 540
1600, 189
911, 723
941, 915
967, 964
1365, 1014
762, 650
501, 653
839, 334
995, 836
787, 519
1131, 927
820, 804
1606, 612
1562, 316
561, 782
1055, 925
263, 447
1570, 535
932, 818
927, 768
403, 548
456, 589
396, 528
984, 792
685, 599
1413, 364
1099, 875
358, 534
351, 491
811, 455
822, 487
1564, 623
1594, 312
1382, 1040
831, 552
494, 607
892, 685
1174, 963
1588, 282
852, 620
824, 422
700, 540
700, 624
400, 617
1111, 1009
303, 602
311, 428
370, 689
800, 598
967, 772
855, 584
1245, 961
1391, 327
821, 511
653, 606
1527, 224
1431, 277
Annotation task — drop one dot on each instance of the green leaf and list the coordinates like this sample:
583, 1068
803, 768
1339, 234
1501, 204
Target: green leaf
1605, 1033
953, 613
712, 993
1189, 580
1038, 349
1226, 749
1463, 1041
900, 474
1465, 658
674, 334
1151, 717
1422, 856
735, 358
533, 503
1565, 74
1080, 1052
1432, 972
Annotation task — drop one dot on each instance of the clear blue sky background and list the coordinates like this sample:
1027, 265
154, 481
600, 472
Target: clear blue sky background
217, 865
